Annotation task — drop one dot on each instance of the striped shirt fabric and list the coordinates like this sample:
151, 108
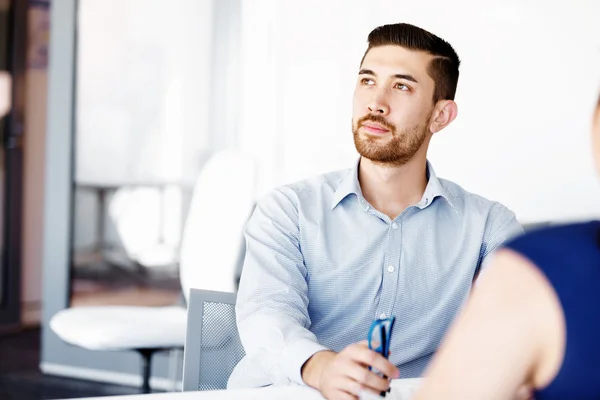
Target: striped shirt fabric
321, 264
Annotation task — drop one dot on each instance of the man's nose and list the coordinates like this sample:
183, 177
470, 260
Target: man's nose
378, 105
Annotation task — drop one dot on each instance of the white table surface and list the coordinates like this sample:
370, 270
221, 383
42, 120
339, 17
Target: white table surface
402, 389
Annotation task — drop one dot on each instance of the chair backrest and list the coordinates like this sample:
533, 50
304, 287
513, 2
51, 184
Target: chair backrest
212, 241
212, 344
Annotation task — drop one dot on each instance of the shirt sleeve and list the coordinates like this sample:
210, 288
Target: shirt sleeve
272, 301
502, 226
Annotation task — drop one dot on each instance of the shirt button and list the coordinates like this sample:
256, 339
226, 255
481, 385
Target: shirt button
391, 268
394, 226
382, 316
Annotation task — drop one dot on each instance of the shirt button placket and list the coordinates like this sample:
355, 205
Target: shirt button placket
389, 278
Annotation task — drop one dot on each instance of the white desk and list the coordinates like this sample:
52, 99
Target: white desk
402, 389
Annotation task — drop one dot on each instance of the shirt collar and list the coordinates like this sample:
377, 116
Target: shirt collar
433, 189
350, 185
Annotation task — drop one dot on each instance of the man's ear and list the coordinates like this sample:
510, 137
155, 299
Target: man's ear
445, 111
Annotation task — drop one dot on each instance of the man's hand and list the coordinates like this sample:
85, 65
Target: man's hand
344, 375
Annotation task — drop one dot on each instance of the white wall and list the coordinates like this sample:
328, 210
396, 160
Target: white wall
529, 79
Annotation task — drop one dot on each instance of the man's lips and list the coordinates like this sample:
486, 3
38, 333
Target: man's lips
375, 128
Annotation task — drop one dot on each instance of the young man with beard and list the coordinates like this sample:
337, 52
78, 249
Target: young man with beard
328, 255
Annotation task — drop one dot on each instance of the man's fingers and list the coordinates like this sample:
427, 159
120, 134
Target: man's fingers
349, 386
347, 376
365, 378
371, 358
340, 395
345, 396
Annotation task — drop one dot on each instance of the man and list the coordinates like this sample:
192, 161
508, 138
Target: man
328, 255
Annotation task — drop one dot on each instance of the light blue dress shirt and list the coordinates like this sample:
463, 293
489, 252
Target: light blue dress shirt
321, 264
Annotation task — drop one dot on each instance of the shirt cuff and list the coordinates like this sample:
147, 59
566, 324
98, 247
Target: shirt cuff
296, 355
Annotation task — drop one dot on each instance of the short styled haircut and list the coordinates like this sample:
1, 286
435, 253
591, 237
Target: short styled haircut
443, 69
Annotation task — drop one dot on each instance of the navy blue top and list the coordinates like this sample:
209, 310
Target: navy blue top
569, 256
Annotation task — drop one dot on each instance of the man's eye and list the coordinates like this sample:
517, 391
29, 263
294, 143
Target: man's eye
402, 87
366, 81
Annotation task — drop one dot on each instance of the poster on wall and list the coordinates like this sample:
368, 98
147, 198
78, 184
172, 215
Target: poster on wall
39, 34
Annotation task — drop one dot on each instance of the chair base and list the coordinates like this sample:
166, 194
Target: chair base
146, 367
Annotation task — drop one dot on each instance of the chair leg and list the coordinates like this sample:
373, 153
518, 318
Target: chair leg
174, 364
146, 368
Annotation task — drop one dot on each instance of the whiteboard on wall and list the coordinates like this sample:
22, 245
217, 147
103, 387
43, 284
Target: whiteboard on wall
530, 77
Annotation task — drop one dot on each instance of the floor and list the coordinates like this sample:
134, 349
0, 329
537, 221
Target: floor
20, 378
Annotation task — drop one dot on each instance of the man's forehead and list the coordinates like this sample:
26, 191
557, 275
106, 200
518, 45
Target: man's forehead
390, 60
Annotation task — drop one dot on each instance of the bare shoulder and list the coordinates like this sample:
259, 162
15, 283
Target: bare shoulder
509, 268
509, 335
515, 286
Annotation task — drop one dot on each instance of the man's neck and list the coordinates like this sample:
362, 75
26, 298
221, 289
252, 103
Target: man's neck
392, 189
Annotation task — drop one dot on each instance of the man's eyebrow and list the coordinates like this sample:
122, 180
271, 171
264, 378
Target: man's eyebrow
406, 77
398, 76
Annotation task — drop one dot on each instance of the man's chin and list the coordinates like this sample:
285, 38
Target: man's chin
378, 158
383, 158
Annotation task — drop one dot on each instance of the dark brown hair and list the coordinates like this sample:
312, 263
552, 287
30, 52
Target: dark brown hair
443, 69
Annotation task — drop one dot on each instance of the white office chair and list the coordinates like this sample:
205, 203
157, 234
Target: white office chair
211, 249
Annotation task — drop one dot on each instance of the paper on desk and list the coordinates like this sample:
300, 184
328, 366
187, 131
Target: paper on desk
402, 389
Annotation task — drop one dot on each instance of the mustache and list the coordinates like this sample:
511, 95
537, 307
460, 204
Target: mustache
378, 119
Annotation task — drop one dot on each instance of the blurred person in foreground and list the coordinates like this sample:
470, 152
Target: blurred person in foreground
532, 320
5, 98
327, 256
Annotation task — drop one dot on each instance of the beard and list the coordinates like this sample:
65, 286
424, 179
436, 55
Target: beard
397, 150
